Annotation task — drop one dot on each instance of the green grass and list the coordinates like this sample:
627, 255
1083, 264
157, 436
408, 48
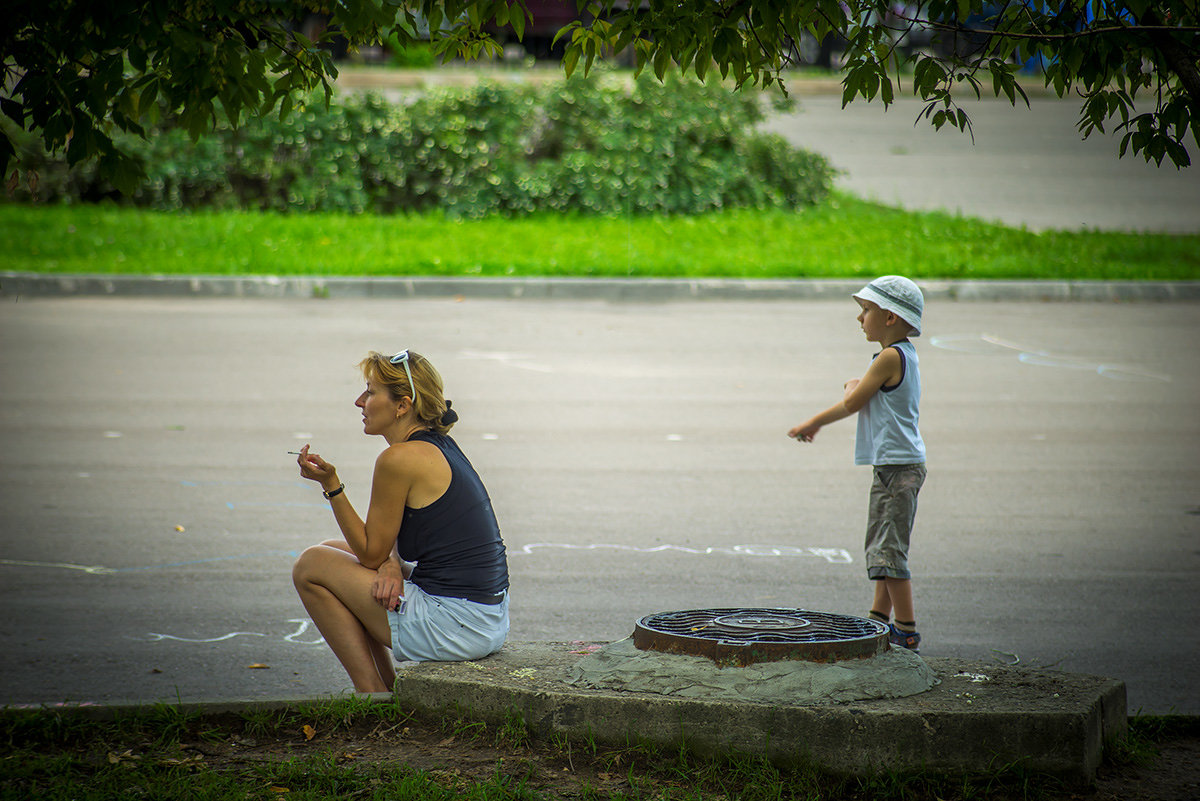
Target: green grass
845, 237
164, 753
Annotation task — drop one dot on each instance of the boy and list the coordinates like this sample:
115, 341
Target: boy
886, 399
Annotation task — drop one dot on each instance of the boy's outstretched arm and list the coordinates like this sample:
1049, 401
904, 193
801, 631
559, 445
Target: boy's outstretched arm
858, 391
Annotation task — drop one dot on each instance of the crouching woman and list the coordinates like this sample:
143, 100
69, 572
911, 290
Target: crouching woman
425, 575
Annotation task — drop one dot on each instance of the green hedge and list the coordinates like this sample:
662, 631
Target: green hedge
598, 146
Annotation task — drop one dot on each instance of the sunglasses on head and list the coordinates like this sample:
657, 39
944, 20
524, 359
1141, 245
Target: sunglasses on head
402, 358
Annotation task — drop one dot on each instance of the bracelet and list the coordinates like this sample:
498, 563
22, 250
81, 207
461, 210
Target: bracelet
332, 493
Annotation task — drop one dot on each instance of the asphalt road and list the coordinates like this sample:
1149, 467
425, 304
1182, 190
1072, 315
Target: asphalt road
637, 460
149, 513
1022, 166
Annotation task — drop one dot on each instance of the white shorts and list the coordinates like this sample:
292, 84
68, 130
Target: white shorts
433, 628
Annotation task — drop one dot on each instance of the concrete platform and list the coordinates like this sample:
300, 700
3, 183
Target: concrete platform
978, 717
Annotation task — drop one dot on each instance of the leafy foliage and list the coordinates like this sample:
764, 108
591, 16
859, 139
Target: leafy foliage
79, 73
593, 145
76, 74
1110, 53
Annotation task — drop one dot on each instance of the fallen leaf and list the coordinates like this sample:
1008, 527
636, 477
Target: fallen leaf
447, 741
258, 666
280, 790
309, 732
180, 529
127, 758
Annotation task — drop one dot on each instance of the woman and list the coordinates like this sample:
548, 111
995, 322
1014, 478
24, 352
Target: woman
425, 574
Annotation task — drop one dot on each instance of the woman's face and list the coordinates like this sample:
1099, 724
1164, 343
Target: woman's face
379, 410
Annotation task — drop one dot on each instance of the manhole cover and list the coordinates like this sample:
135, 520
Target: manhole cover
746, 636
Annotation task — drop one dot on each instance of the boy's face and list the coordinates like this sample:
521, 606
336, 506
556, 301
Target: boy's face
876, 323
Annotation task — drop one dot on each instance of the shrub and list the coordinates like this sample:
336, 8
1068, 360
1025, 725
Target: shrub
418, 55
595, 146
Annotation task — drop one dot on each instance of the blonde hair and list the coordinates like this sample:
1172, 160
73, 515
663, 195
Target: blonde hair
431, 406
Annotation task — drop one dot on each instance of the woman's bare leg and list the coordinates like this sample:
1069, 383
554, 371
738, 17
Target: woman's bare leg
385, 663
336, 591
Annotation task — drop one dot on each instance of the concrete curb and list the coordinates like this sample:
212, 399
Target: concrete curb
980, 717
615, 290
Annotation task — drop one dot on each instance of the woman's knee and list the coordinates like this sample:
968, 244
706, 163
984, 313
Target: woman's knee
310, 564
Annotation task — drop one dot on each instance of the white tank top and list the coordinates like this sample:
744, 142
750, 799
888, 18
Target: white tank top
888, 431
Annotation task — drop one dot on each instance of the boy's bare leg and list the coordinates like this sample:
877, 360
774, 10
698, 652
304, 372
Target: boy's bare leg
900, 599
883, 601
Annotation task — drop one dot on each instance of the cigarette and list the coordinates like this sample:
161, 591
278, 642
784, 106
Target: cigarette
294, 453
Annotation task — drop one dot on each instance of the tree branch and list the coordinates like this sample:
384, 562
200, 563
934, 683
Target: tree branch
1177, 58
1053, 37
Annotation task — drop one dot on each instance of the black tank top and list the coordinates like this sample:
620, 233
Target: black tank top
455, 540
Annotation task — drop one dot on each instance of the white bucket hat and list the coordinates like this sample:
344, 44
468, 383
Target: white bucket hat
896, 294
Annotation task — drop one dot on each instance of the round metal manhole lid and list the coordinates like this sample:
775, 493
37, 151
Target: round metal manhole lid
745, 636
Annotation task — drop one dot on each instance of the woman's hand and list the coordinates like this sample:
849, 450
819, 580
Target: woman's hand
388, 587
314, 468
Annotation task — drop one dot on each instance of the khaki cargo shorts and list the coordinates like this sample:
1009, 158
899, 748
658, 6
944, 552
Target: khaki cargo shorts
890, 515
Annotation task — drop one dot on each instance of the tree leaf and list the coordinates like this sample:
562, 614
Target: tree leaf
516, 20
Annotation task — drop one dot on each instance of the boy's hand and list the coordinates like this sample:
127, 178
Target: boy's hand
804, 432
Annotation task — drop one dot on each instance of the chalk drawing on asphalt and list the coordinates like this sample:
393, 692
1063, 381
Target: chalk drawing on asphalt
983, 344
838, 556
103, 571
242, 483
519, 360
97, 569
302, 628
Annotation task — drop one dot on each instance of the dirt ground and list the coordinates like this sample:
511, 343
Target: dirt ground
566, 770
1173, 776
